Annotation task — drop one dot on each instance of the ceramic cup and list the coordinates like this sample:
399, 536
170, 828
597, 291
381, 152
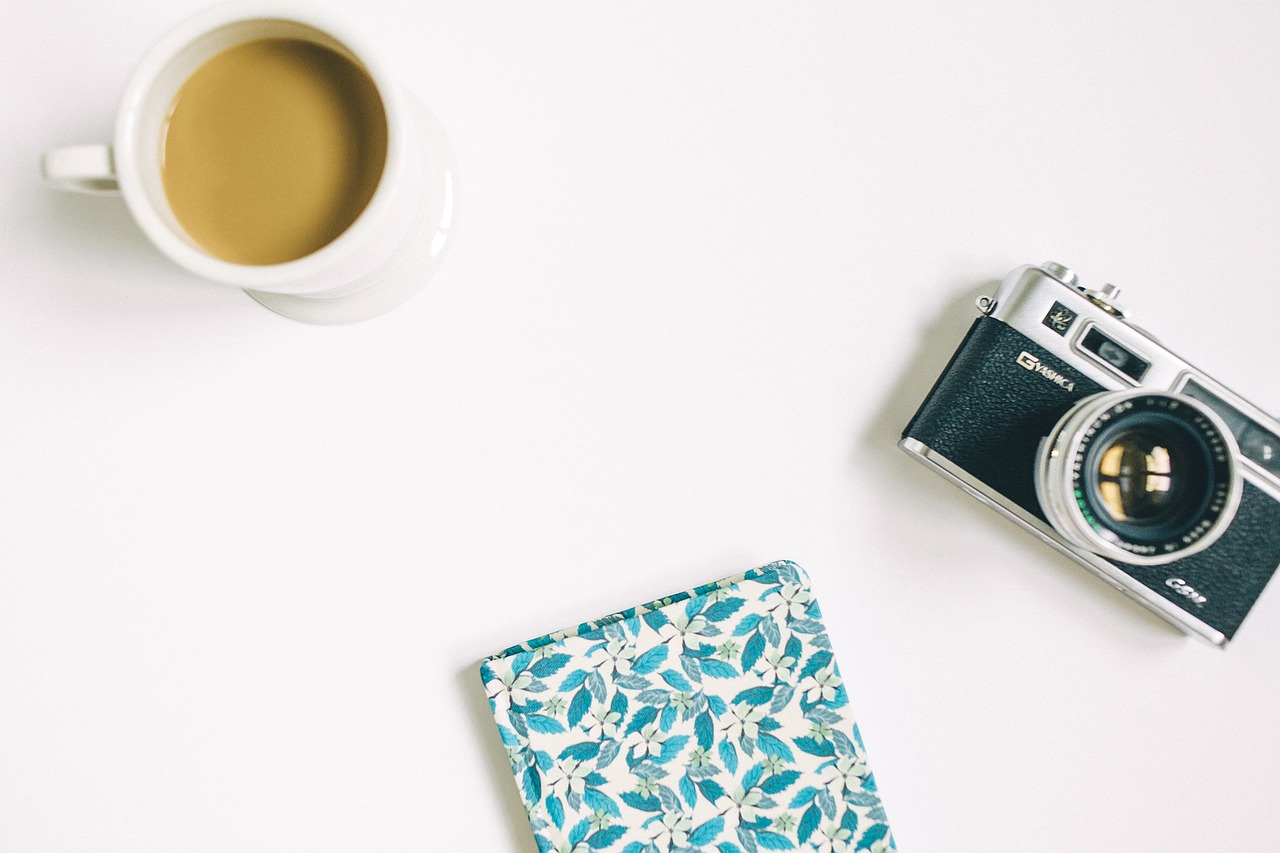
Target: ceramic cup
380, 260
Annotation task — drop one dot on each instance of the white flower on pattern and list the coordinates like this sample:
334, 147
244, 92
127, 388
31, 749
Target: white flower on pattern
647, 741
846, 774
673, 831
823, 684
568, 775
681, 629
742, 806
602, 723
831, 839
744, 719
618, 656
512, 689
790, 599
776, 667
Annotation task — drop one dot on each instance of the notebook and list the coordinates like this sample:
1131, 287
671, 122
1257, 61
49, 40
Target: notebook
712, 720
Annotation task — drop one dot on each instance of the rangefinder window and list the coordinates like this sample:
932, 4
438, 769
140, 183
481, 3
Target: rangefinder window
1114, 355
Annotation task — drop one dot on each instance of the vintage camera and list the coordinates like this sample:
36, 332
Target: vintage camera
1086, 431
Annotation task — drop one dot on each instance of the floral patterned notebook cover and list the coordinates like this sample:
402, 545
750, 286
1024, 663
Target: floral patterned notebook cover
714, 720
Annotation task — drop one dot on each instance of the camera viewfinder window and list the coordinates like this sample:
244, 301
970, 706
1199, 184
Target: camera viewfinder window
1113, 354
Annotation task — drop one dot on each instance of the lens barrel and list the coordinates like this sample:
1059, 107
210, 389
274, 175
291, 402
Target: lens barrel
1138, 476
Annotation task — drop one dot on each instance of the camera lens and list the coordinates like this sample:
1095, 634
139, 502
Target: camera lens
1138, 476
1149, 480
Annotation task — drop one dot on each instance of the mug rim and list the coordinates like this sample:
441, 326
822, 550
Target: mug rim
293, 276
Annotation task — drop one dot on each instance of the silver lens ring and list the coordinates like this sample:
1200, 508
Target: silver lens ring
1140, 477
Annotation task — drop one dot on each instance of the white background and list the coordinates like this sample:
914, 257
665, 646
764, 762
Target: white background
711, 258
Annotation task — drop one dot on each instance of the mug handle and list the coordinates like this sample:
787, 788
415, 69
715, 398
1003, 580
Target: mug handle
81, 168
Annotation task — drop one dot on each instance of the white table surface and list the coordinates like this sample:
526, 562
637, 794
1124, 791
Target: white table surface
712, 256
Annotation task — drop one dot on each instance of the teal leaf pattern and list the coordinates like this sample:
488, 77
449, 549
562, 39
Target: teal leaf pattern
711, 721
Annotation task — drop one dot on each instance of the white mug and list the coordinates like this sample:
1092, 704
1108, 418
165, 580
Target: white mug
382, 258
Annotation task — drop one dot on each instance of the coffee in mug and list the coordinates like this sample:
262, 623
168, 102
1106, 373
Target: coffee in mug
260, 144
271, 149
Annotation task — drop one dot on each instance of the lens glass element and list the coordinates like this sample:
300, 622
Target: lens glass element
1149, 480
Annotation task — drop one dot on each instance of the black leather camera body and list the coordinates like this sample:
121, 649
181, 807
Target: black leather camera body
1085, 430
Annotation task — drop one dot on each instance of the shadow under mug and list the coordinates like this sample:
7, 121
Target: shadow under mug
384, 256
